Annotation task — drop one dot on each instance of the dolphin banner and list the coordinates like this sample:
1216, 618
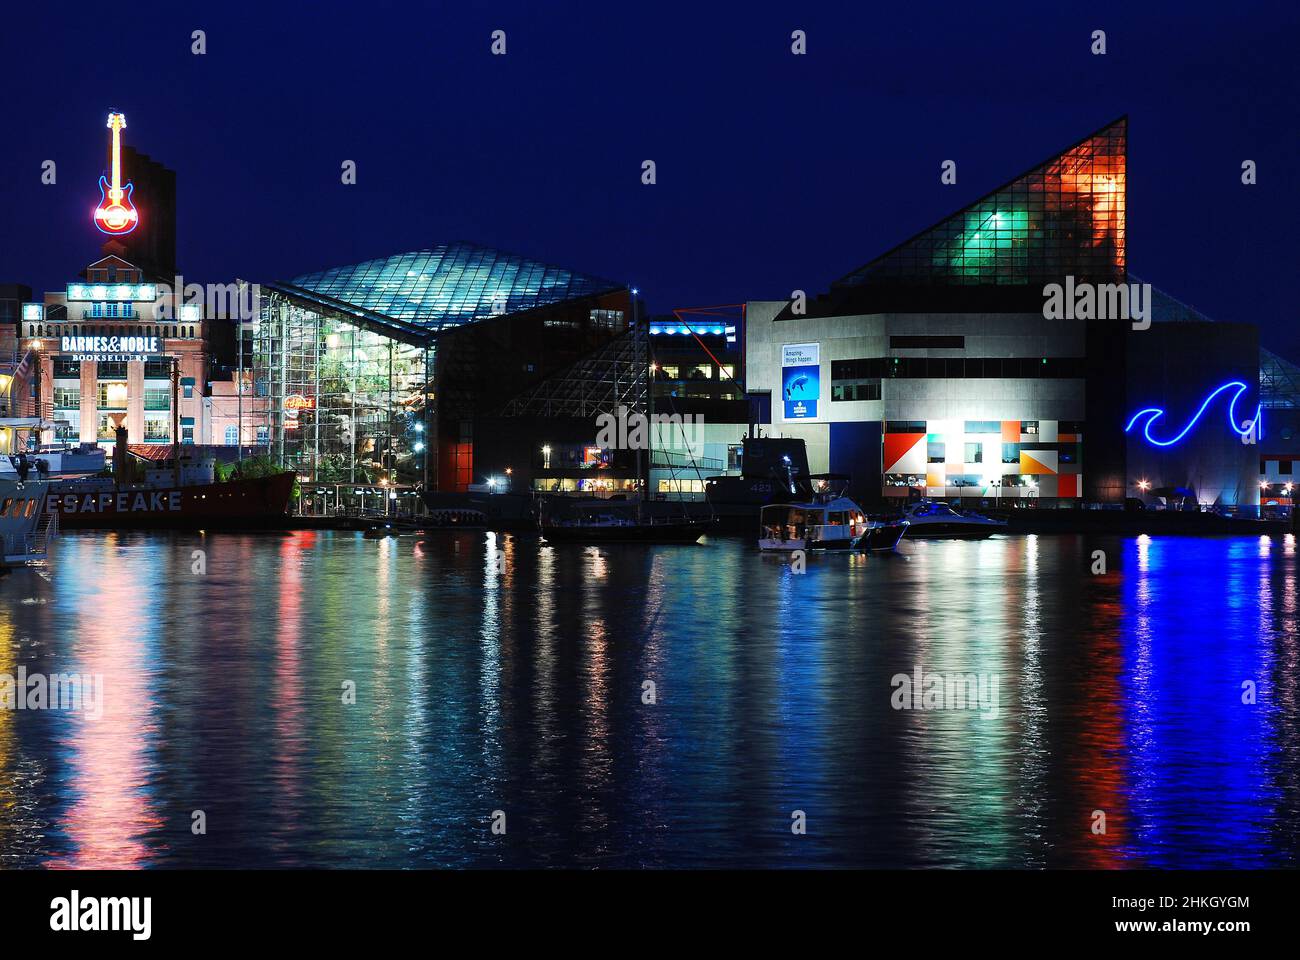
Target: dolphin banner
800, 380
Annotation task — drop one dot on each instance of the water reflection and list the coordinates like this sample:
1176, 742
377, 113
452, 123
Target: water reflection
105, 756
331, 701
1203, 631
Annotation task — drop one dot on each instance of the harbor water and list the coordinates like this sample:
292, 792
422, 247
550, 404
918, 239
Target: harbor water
474, 699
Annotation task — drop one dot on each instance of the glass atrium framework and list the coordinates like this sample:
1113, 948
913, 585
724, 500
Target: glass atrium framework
347, 403
451, 284
346, 357
1063, 217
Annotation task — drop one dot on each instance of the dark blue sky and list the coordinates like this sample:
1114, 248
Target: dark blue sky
775, 172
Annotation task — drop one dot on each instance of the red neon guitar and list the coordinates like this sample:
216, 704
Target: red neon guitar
116, 214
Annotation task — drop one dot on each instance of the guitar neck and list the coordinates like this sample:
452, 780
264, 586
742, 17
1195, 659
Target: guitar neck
117, 163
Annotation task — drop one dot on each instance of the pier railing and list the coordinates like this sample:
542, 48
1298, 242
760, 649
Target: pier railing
45, 532
673, 460
33, 545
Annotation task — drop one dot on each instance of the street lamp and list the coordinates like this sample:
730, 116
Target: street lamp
546, 458
1144, 485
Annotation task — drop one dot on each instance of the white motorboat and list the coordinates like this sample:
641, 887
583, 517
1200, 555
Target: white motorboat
26, 527
831, 524
928, 519
55, 460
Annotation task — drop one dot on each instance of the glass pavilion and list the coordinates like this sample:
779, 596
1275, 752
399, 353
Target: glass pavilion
348, 357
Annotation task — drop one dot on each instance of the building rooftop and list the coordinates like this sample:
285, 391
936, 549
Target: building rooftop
446, 285
1063, 216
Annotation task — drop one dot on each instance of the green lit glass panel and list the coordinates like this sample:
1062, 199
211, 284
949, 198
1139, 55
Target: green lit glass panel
1065, 216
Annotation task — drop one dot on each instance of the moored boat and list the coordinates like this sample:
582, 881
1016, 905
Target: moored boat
835, 523
25, 528
53, 461
611, 528
928, 519
258, 502
882, 536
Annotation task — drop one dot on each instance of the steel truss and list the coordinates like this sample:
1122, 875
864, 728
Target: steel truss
612, 376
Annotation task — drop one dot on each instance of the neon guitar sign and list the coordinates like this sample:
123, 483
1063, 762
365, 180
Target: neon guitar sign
116, 214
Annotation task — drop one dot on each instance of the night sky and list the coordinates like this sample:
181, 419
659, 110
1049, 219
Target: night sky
775, 171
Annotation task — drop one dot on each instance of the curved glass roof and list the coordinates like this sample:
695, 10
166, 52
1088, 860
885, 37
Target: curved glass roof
450, 284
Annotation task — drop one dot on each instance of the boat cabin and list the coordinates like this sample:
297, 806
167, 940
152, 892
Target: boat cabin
835, 523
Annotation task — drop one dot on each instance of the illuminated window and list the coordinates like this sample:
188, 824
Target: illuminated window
693, 485
112, 396
156, 429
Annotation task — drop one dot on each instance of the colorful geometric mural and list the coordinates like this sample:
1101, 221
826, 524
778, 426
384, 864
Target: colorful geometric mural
1038, 462
984, 459
905, 452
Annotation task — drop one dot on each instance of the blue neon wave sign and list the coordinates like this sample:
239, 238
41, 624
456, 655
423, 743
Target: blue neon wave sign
1152, 414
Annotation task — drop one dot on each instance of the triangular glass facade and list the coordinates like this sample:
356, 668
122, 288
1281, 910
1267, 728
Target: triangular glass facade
1064, 217
451, 284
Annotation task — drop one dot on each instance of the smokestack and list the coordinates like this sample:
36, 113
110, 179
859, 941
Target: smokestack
119, 458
